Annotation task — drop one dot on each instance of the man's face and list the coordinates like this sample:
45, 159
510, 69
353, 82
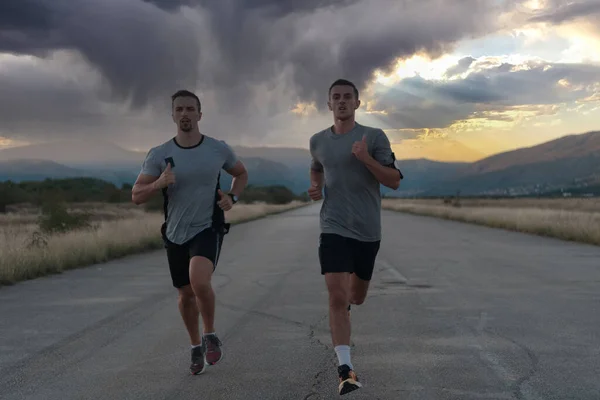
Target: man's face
343, 102
186, 113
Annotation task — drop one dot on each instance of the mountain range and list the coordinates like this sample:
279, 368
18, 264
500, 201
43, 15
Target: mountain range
572, 161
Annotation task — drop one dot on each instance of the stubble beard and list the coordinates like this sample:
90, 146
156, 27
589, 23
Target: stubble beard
185, 126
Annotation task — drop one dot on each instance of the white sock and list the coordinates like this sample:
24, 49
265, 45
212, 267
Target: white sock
196, 345
343, 355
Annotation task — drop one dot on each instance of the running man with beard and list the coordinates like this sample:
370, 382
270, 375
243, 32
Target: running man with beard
349, 163
186, 169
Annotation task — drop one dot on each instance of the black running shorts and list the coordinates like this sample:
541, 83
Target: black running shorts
342, 254
207, 244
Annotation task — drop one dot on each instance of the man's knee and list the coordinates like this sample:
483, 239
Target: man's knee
358, 298
186, 296
201, 269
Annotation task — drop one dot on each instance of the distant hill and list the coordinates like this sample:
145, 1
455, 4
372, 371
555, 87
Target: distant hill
36, 170
569, 162
107, 161
75, 153
291, 156
262, 172
422, 174
566, 147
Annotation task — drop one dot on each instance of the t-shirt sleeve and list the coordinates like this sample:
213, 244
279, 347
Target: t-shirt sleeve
315, 164
230, 157
382, 152
151, 166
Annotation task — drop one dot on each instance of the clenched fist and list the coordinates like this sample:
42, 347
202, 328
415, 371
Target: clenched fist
166, 178
225, 203
315, 193
360, 149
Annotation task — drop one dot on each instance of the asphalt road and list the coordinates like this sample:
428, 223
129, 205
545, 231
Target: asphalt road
456, 311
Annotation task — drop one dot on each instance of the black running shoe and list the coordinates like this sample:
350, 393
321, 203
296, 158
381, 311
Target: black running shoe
197, 366
348, 380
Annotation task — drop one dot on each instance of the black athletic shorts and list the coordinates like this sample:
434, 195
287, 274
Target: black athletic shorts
206, 244
342, 254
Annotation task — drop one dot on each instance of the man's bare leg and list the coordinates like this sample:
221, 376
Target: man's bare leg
189, 313
201, 270
188, 307
338, 286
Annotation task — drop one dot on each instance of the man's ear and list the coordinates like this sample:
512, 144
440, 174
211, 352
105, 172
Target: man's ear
357, 104
329, 105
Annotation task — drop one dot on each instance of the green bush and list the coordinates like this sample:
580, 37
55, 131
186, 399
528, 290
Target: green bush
55, 218
75, 190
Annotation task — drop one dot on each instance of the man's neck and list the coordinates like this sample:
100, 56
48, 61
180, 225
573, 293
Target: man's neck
343, 126
188, 139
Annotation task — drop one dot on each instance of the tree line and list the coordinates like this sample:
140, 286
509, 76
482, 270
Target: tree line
78, 190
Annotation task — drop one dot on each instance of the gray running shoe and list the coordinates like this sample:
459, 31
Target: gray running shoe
214, 353
197, 366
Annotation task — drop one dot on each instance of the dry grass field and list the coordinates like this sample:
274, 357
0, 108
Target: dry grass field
118, 230
574, 219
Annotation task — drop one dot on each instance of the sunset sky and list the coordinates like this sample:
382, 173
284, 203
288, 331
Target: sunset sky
447, 80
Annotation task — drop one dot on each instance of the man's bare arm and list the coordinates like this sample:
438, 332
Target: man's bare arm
144, 188
240, 178
316, 178
387, 176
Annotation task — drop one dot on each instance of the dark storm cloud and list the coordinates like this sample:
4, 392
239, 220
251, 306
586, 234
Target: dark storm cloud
274, 8
563, 12
250, 61
171, 5
461, 67
417, 103
31, 94
140, 51
148, 48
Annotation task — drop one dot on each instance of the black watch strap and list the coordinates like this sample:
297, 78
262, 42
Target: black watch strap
234, 198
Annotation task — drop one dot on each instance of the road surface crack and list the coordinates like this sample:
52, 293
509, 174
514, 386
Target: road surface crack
327, 362
517, 386
262, 314
534, 361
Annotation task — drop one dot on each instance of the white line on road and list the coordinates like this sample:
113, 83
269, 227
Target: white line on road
393, 271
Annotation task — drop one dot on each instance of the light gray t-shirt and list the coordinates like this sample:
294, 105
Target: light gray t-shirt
191, 199
352, 197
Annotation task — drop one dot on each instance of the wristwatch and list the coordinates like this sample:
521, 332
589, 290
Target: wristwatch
234, 198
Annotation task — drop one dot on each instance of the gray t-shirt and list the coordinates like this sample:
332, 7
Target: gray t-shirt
352, 197
192, 197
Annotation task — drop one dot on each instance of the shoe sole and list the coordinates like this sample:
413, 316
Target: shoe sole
349, 385
198, 372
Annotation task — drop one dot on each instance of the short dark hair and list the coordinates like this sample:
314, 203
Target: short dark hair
344, 82
185, 93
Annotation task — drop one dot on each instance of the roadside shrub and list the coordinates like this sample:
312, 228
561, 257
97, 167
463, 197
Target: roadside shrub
55, 218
